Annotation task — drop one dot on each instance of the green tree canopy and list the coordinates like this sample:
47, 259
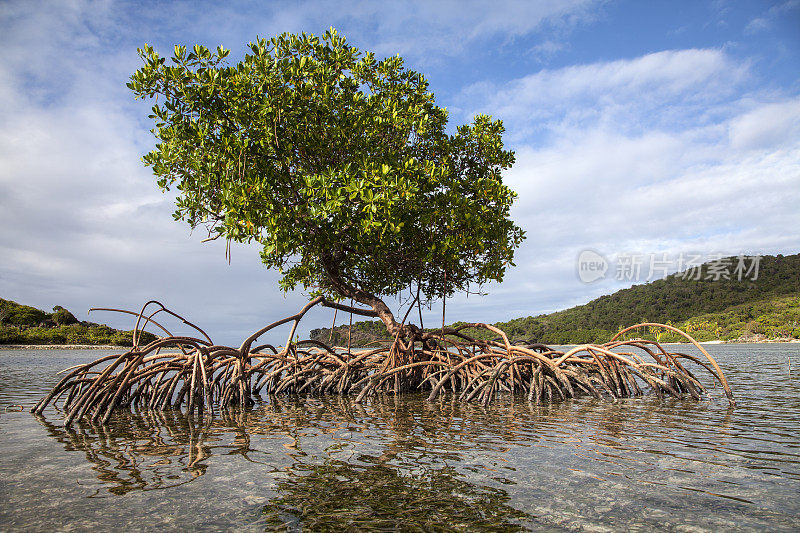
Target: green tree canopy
63, 317
338, 164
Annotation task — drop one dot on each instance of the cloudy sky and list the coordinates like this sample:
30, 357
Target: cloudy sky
640, 128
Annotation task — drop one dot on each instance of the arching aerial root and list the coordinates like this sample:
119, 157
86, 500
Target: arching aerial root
199, 375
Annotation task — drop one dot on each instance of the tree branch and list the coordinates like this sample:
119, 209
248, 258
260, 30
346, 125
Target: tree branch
349, 309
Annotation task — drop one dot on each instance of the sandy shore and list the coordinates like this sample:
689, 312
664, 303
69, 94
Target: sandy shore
773, 341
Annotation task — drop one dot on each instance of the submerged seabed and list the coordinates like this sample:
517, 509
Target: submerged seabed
403, 463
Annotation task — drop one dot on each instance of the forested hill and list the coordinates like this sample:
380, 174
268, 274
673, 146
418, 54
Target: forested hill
730, 308
23, 324
675, 299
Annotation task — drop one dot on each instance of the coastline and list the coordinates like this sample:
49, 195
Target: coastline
11, 347
717, 341
769, 341
62, 347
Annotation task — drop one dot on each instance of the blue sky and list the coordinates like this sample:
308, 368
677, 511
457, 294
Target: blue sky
639, 127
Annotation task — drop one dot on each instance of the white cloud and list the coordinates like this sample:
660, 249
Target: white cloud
776, 124
419, 28
637, 94
767, 19
756, 25
547, 48
627, 192
81, 220
83, 225
660, 153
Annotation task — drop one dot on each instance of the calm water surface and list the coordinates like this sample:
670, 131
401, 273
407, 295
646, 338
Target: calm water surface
405, 464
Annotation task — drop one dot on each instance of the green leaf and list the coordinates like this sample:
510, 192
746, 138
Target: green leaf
317, 150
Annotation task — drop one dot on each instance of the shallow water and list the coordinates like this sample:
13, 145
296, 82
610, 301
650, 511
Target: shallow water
406, 464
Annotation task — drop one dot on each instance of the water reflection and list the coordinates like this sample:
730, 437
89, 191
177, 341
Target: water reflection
158, 450
327, 463
161, 449
141, 451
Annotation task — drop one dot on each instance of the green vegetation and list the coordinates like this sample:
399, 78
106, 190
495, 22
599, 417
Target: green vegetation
338, 164
23, 324
774, 318
12, 313
363, 333
62, 317
767, 308
339, 496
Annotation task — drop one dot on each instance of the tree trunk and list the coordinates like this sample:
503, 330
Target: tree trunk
347, 290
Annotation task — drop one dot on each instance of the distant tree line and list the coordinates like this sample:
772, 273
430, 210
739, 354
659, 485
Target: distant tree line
727, 309
23, 324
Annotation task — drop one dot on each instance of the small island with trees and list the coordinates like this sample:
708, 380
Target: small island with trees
23, 325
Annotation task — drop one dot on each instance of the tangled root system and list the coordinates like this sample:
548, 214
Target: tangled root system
194, 373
